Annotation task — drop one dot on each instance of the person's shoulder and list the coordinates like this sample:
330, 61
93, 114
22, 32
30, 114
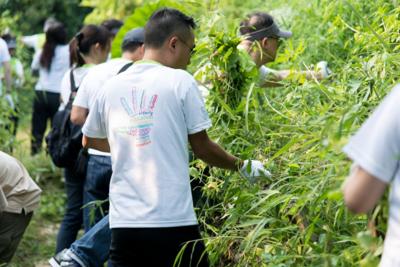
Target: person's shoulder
395, 92
178, 74
109, 67
392, 98
3, 45
62, 51
2, 42
7, 161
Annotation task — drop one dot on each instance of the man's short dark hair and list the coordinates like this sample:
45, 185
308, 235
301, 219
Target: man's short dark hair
255, 21
164, 23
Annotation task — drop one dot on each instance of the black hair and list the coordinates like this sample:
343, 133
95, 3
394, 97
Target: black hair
255, 21
165, 22
113, 25
82, 42
55, 35
131, 47
7, 37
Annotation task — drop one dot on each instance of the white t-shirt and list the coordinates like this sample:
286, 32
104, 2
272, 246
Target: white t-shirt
4, 57
50, 80
4, 54
79, 74
376, 148
147, 113
93, 81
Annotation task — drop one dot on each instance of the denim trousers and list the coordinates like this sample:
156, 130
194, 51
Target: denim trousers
94, 246
73, 216
97, 186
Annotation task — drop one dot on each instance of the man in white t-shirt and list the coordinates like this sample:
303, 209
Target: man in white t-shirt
145, 117
375, 151
261, 40
99, 171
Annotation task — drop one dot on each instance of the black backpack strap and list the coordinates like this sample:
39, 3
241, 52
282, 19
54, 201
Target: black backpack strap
72, 81
74, 89
125, 67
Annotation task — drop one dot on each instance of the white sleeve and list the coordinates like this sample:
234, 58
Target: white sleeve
30, 40
4, 54
65, 88
95, 126
264, 72
82, 96
376, 145
36, 60
196, 116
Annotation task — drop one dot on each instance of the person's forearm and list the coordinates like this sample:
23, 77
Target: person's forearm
79, 115
96, 143
214, 155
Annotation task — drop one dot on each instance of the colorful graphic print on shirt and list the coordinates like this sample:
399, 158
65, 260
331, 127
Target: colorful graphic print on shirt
140, 111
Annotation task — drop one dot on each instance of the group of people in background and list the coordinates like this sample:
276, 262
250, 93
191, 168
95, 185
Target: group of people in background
139, 113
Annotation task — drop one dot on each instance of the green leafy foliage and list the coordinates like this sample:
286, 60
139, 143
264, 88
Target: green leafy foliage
140, 17
297, 217
106, 9
30, 14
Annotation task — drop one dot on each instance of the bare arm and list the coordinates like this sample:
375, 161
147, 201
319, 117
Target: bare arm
79, 115
362, 191
96, 143
7, 75
211, 153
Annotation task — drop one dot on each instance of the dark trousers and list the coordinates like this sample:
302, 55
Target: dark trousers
73, 217
45, 105
97, 187
12, 228
157, 247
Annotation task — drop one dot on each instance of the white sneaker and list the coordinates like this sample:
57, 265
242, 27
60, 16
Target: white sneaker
322, 67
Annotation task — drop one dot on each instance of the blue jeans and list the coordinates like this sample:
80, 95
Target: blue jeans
73, 216
97, 186
94, 246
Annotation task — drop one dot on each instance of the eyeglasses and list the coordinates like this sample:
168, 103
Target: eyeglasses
190, 48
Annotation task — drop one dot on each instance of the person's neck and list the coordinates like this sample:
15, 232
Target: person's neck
133, 56
156, 55
91, 60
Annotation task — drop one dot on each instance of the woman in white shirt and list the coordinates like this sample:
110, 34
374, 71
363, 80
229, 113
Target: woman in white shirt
88, 48
51, 64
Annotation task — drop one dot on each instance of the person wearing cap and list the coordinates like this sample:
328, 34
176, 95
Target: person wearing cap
261, 38
93, 248
19, 197
17, 69
17, 72
5, 65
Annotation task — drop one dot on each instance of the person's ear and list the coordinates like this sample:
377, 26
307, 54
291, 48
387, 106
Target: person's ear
172, 42
264, 42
